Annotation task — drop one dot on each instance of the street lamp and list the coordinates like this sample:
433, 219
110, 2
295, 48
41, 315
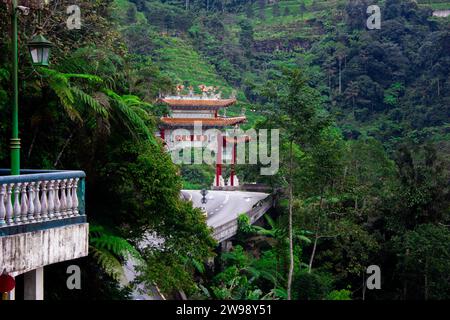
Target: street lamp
40, 49
204, 192
40, 52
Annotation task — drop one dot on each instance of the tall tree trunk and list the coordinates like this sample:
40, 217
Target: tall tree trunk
30, 150
311, 259
344, 178
291, 242
66, 144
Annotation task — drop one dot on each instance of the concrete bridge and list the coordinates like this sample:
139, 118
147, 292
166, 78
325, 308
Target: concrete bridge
224, 207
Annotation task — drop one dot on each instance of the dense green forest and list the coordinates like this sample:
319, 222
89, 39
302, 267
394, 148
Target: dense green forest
364, 119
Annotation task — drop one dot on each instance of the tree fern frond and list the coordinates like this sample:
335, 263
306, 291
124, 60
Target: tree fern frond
263, 232
90, 102
270, 221
198, 265
133, 100
59, 83
301, 237
254, 272
130, 115
108, 263
95, 229
90, 77
116, 245
268, 276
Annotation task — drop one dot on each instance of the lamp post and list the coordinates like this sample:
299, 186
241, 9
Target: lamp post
40, 52
15, 141
204, 192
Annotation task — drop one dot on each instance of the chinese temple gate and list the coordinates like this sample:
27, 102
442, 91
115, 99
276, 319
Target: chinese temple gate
189, 111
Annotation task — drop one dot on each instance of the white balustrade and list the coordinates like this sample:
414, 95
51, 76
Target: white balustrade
57, 202
75, 201
63, 208
9, 207
2, 204
38, 201
31, 202
24, 203
16, 210
69, 198
44, 203
51, 199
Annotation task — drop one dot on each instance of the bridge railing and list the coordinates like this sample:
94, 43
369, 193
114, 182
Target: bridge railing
230, 228
40, 196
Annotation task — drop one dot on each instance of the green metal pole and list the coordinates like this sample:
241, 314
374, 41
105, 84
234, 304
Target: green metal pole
15, 141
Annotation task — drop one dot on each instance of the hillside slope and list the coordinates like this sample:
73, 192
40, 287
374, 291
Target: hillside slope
369, 79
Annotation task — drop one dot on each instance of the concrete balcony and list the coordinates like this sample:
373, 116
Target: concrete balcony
42, 221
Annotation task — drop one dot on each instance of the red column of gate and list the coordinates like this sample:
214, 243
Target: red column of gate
219, 159
233, 162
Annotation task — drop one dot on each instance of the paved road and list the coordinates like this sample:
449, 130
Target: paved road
224, 206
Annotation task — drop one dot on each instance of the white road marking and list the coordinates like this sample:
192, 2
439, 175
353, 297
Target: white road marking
226, 199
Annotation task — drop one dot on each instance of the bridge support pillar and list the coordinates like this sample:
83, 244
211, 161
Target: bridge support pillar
226, 246
210, 263
34, 284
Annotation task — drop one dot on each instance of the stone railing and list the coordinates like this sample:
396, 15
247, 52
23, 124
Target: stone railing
40, 196
230, 228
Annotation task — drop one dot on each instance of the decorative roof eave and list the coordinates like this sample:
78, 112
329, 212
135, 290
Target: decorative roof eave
238, 139
205, 122
197, 104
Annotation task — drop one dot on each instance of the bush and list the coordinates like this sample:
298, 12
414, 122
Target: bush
312, 286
